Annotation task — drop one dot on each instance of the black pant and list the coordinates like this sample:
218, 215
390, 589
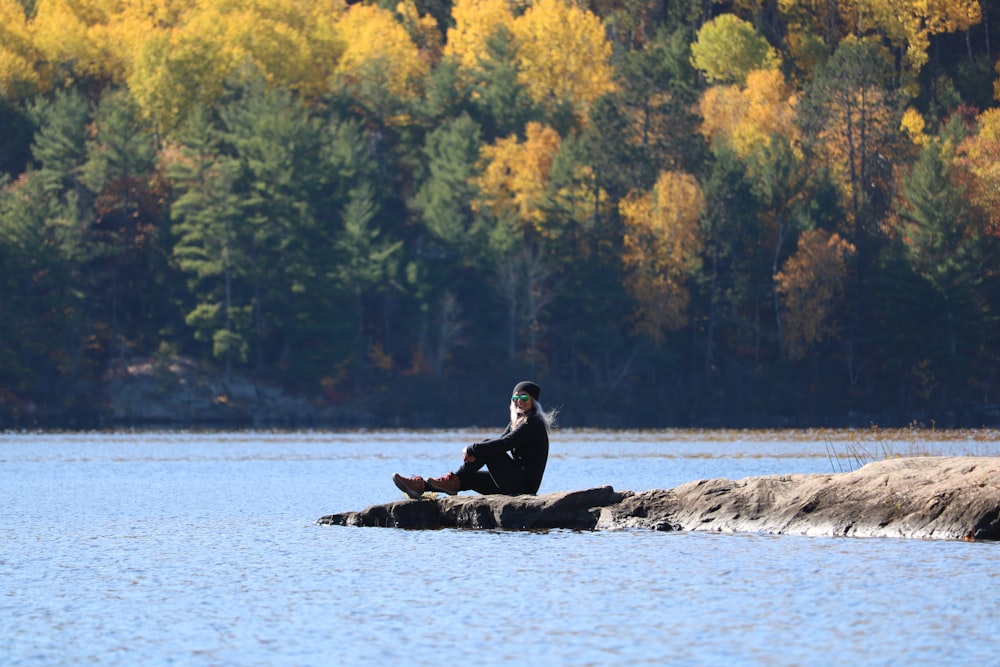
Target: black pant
504, 476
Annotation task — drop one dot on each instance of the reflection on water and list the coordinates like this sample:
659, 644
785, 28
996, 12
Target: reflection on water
124, 549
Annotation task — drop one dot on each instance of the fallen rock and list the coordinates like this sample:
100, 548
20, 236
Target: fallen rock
920, 497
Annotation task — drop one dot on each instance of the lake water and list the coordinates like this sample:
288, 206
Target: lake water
202, 549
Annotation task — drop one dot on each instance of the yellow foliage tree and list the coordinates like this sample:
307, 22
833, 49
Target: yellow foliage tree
563, 54
288, 42
62, 34
475, 22
662, 247
515, 176
909, 24
914, 125
173, 53
177, 69
979, 154
746, 117
17, 51
811, 285
376, 42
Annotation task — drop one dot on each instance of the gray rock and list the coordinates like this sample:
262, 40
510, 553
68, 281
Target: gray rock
920, 497
578, 510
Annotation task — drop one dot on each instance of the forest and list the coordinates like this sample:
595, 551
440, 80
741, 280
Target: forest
667, 212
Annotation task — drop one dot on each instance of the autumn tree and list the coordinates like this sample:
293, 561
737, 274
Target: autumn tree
512, 185
580, 73
909, 24
755, 124
18, 53
728, 48
175, 54
661, 250
512, 193
476, 22
291, 44
177, 70
850, 114
811, 286
979, 155
572, 81
378, 49
759, 123
748, 116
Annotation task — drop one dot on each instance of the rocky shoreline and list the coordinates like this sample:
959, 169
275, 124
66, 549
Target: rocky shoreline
947, 498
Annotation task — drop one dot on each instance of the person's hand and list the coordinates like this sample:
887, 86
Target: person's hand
467, 457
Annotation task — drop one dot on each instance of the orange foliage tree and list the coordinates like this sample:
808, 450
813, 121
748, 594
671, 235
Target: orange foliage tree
662, 247
811, 286
515, 176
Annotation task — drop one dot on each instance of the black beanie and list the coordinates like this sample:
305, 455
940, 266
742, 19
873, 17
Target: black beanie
529, 388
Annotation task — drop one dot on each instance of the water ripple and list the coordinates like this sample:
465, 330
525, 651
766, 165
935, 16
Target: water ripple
203, 550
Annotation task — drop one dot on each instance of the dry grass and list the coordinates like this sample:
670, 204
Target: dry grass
878, 444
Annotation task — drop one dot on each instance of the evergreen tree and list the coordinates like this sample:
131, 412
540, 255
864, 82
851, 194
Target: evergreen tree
207, 217
443, 199
275, 141
60, 145
501, 103
42, 328
16, 131
943, 244
120, 173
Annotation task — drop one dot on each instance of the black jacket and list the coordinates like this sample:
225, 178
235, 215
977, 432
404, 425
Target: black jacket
528, 445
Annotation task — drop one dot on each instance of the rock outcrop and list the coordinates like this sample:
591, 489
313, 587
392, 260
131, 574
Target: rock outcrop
921, 497
173, 390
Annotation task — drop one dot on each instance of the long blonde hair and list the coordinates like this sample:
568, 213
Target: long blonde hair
548, 418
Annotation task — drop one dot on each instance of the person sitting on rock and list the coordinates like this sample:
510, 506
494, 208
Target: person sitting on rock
515, 460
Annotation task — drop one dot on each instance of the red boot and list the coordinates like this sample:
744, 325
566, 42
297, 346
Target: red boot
414, 486
449, 484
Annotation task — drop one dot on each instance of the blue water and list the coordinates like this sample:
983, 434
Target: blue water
202, 549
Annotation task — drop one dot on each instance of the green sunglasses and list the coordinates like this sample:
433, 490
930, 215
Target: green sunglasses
520, 397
